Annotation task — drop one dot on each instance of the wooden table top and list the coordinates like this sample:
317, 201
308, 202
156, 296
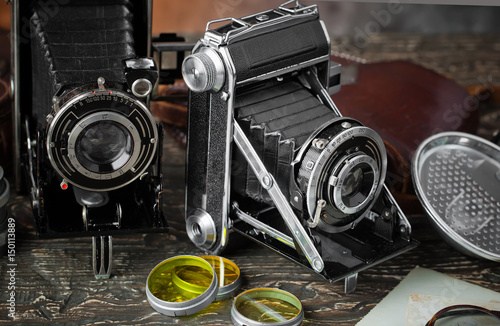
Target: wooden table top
54, 282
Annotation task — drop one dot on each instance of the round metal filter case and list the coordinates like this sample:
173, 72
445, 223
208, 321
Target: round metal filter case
457, 179
181, 286
265, 307
228, 275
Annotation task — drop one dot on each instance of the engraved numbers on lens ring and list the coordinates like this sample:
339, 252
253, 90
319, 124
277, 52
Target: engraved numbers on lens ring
92, 107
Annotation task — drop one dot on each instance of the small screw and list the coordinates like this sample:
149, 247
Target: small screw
266, 181
346, 125
224, 96
320, 143
100, 82
318, 265
262, 17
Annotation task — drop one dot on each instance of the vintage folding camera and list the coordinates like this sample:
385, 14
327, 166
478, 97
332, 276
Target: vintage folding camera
86, 138
271, 157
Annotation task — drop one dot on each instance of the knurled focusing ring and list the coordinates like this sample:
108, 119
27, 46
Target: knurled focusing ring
203, 71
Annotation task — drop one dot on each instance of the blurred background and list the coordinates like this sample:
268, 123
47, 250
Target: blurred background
341, 17
360, 30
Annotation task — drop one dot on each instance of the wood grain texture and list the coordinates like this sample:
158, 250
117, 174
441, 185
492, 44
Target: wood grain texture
55, 284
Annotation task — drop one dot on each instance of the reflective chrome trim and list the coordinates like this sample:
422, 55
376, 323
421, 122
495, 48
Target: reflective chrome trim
15, 89
231, 81
201, 229
276, 234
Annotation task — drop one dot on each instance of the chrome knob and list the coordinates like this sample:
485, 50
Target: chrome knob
203, 71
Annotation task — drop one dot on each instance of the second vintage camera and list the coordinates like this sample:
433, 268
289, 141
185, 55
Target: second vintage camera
87, 140
271, 157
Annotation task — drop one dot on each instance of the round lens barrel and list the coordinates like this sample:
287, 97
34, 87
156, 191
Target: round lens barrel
265, 306
181, 286
228, 274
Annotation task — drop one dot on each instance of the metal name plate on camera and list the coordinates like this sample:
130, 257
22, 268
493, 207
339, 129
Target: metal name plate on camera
271, 157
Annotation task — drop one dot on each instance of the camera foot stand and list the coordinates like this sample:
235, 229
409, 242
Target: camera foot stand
102, 256
102, 245
269, 183
350, 283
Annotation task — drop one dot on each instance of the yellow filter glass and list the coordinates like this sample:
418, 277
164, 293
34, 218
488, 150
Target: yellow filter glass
268, 305
227, 271
180, 279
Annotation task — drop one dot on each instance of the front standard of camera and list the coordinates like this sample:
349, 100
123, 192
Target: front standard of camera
271, 157
87, 140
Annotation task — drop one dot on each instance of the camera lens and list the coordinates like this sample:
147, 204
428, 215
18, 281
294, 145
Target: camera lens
353, 182
104, 147
357, 185
345, 166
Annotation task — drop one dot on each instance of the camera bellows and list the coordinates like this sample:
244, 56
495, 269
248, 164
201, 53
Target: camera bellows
278, 119
74, 47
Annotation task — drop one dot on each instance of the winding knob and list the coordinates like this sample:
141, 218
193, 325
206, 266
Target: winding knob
203, 71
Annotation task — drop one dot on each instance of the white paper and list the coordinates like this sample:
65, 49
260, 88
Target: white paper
392, 310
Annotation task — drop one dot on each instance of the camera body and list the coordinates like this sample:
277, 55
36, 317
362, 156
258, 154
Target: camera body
86, 139
271, 157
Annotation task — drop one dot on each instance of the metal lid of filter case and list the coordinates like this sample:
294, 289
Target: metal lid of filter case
228, 274
457, 179
265, 307
181, 286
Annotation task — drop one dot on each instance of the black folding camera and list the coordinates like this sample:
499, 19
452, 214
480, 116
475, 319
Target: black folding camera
86, 138
271, 157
